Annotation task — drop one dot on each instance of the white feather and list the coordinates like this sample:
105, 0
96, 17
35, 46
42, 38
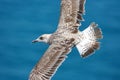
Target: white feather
89, 40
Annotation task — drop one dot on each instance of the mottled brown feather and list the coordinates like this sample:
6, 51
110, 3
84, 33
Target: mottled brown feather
54, 56
71, 13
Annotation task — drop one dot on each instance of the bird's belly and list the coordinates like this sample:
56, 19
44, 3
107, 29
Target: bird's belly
63, 36
68, 35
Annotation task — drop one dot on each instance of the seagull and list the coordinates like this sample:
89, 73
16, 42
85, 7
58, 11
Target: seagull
65, 38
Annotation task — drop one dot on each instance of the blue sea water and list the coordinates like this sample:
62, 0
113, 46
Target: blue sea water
21, 21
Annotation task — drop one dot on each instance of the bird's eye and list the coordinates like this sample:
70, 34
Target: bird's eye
41, 38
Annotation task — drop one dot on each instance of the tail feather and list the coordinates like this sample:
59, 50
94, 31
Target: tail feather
90, 37
97, 31
90, 49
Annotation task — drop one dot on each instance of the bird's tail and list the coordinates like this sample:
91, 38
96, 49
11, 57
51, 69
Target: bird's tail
89, 42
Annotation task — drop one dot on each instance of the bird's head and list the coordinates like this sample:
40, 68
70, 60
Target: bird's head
42, 38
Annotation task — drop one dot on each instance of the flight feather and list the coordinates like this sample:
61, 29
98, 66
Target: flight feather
71, 13
50, 61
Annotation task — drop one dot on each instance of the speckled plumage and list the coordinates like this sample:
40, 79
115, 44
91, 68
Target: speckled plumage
64, 38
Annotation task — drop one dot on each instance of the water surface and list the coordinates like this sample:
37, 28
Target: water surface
21, 21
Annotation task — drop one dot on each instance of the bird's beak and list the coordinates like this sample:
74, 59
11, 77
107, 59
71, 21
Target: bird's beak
34, 41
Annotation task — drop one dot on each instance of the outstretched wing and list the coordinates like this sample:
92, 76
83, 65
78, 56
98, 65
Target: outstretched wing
71, 13
49, 63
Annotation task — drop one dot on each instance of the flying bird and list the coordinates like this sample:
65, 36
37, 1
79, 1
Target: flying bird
65, 38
